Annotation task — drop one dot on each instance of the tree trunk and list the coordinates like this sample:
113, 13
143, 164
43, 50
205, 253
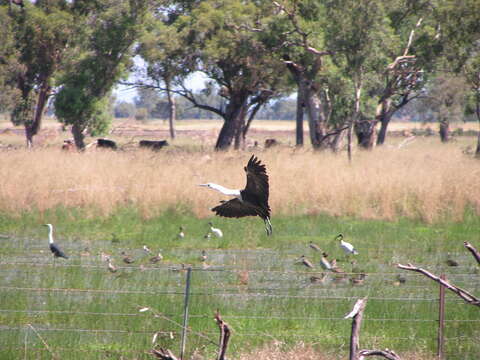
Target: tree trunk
354, 118
444, 131
383, 115
240, 129
171, 109
31, 129
365, 131
233, 121
337, 141
316, 118
77, 132
299, 116
477, 111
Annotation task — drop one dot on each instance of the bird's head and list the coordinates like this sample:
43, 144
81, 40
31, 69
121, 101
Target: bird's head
210, 223
209, 185
50, 226
339, 237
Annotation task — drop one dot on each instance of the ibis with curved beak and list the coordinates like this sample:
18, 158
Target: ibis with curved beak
251, 201
346, 246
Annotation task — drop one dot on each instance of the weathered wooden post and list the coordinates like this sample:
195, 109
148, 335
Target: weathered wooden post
185, 313
441, 320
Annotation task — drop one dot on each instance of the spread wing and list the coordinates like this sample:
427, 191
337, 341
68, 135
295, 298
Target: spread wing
257, 190
234, 208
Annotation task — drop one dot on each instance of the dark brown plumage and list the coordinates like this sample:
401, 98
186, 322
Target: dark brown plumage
253, 199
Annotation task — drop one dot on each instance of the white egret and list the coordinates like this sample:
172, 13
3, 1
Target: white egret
251, 201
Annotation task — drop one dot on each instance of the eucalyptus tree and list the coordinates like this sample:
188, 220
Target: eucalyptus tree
357, 33
83, 100
9, 93
42, 31
216, 40
459, 23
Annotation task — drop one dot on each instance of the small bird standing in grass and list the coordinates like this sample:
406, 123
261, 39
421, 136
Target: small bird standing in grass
111, 267
450, 261
156, 258
181, 234
127, 259
54, 248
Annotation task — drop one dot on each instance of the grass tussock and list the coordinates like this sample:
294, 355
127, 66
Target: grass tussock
428, 182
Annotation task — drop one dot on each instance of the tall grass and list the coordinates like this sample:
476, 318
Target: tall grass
425, 181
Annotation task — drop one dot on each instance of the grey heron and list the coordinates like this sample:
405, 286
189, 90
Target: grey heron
346, 246
216, 231
54, 248
251, 201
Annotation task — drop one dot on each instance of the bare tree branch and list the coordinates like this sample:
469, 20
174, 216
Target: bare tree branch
163, 354
224, 336
474, 251
465, 295
387, 354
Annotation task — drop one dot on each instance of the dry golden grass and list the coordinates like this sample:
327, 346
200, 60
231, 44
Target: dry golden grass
426, 181
305, 352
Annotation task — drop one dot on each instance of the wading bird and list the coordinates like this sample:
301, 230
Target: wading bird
127, 259
111, 267
56, 251
156, 258
251, 201
314, 246
216, 231
303, 260
324, 263
346, 246
181, 234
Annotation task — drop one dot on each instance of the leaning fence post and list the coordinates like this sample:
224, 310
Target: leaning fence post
441, 319
185, 313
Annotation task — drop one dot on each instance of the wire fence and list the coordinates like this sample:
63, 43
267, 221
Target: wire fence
74, 305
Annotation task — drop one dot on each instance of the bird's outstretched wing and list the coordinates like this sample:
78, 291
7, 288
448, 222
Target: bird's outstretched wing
234, 208
257, 189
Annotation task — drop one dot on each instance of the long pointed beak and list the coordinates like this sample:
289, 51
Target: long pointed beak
202, 184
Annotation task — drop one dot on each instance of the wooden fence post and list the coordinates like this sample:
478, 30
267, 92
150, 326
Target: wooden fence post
185, 313
441, 320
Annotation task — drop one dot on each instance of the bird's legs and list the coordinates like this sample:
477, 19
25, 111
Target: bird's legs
268, 226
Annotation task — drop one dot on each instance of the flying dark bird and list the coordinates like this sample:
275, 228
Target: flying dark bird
54, 248
251, 201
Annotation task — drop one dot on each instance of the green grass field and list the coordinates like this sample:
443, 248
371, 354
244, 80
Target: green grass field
78, 309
